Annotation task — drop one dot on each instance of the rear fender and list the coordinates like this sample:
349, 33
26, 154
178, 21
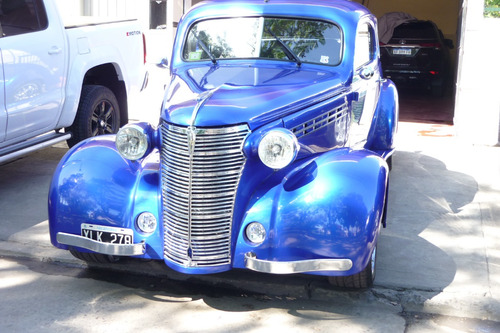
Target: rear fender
385, 122
327, 207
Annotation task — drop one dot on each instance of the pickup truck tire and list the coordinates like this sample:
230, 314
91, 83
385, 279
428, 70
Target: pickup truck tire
98, 113
362, 280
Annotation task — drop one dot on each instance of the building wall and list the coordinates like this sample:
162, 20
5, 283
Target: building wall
477, 101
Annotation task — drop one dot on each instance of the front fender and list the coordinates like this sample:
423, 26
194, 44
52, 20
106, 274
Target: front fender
329, 207
94, 184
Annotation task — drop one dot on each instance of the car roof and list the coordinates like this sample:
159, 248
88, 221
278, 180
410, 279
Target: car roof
325, 9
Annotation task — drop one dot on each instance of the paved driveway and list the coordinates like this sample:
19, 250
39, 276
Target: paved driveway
439, 254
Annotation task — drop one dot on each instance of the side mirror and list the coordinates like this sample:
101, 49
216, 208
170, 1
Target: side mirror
163, 63
367, 73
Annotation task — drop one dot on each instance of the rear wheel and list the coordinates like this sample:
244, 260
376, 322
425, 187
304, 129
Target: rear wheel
362, 280
94, 257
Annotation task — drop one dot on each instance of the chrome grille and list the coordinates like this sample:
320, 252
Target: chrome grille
201, 169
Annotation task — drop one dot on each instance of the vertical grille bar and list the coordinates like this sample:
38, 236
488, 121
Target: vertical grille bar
201, 170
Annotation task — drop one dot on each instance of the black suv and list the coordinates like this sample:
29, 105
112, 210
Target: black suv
418, 54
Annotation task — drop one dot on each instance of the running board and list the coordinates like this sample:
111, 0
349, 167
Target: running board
31, 145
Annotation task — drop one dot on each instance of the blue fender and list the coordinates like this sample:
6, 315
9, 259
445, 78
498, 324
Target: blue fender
94, 184
329, 207
385, 121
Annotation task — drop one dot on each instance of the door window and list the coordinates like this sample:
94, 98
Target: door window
365, 83
364, 45
21, 16
33, 59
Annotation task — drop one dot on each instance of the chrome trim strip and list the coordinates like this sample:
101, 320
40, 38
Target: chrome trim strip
336, 115
299, 266
191, 141
29, 149
202, 98
104, 248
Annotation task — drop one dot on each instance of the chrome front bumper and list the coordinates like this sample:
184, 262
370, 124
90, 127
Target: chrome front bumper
104, 248
299, 266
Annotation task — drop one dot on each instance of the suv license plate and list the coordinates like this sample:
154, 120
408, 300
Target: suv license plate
405, 52
106, 234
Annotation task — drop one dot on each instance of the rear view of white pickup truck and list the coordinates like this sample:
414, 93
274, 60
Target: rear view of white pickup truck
63, 82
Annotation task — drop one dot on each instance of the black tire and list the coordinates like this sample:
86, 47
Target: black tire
94, 257
98, 113
389, 162
362, 280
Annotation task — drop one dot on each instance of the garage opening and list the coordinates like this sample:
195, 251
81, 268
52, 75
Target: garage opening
420, 55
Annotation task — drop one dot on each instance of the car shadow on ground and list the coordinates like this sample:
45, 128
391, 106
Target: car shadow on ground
24, 187
418, 249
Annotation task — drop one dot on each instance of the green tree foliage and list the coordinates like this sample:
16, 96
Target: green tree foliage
492, 8
301, 37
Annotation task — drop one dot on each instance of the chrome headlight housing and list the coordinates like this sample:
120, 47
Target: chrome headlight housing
132, 142
278, 148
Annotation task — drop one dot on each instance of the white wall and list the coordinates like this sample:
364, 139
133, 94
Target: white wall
477, 101
69, 7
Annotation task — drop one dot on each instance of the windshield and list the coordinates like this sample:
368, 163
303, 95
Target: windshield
262, 37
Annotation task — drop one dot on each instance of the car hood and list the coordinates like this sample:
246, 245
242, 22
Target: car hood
212, 96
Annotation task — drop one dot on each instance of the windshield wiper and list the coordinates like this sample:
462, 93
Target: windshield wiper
205, 48
288, 51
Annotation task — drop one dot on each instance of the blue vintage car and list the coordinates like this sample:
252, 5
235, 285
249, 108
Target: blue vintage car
272, 152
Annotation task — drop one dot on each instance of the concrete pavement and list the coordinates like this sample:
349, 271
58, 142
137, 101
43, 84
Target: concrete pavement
438, 260
439, 255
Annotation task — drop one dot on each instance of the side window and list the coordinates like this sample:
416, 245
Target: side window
364, 45
21, 17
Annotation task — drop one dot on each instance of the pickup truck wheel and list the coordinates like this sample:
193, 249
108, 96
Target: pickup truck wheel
362, 280
98, 113
94, 257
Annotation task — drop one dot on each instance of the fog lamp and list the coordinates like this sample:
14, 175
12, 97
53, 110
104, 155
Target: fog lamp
278, 148
146, 222
255, 232
131, 142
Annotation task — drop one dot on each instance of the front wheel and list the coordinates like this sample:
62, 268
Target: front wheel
98, 113
362, 280
94, 257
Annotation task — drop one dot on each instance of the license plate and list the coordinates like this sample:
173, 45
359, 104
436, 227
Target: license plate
106, 234
405, 52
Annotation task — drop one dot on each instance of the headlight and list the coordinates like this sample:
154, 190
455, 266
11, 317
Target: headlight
278, 148
131, 142
146, 222
255, 232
